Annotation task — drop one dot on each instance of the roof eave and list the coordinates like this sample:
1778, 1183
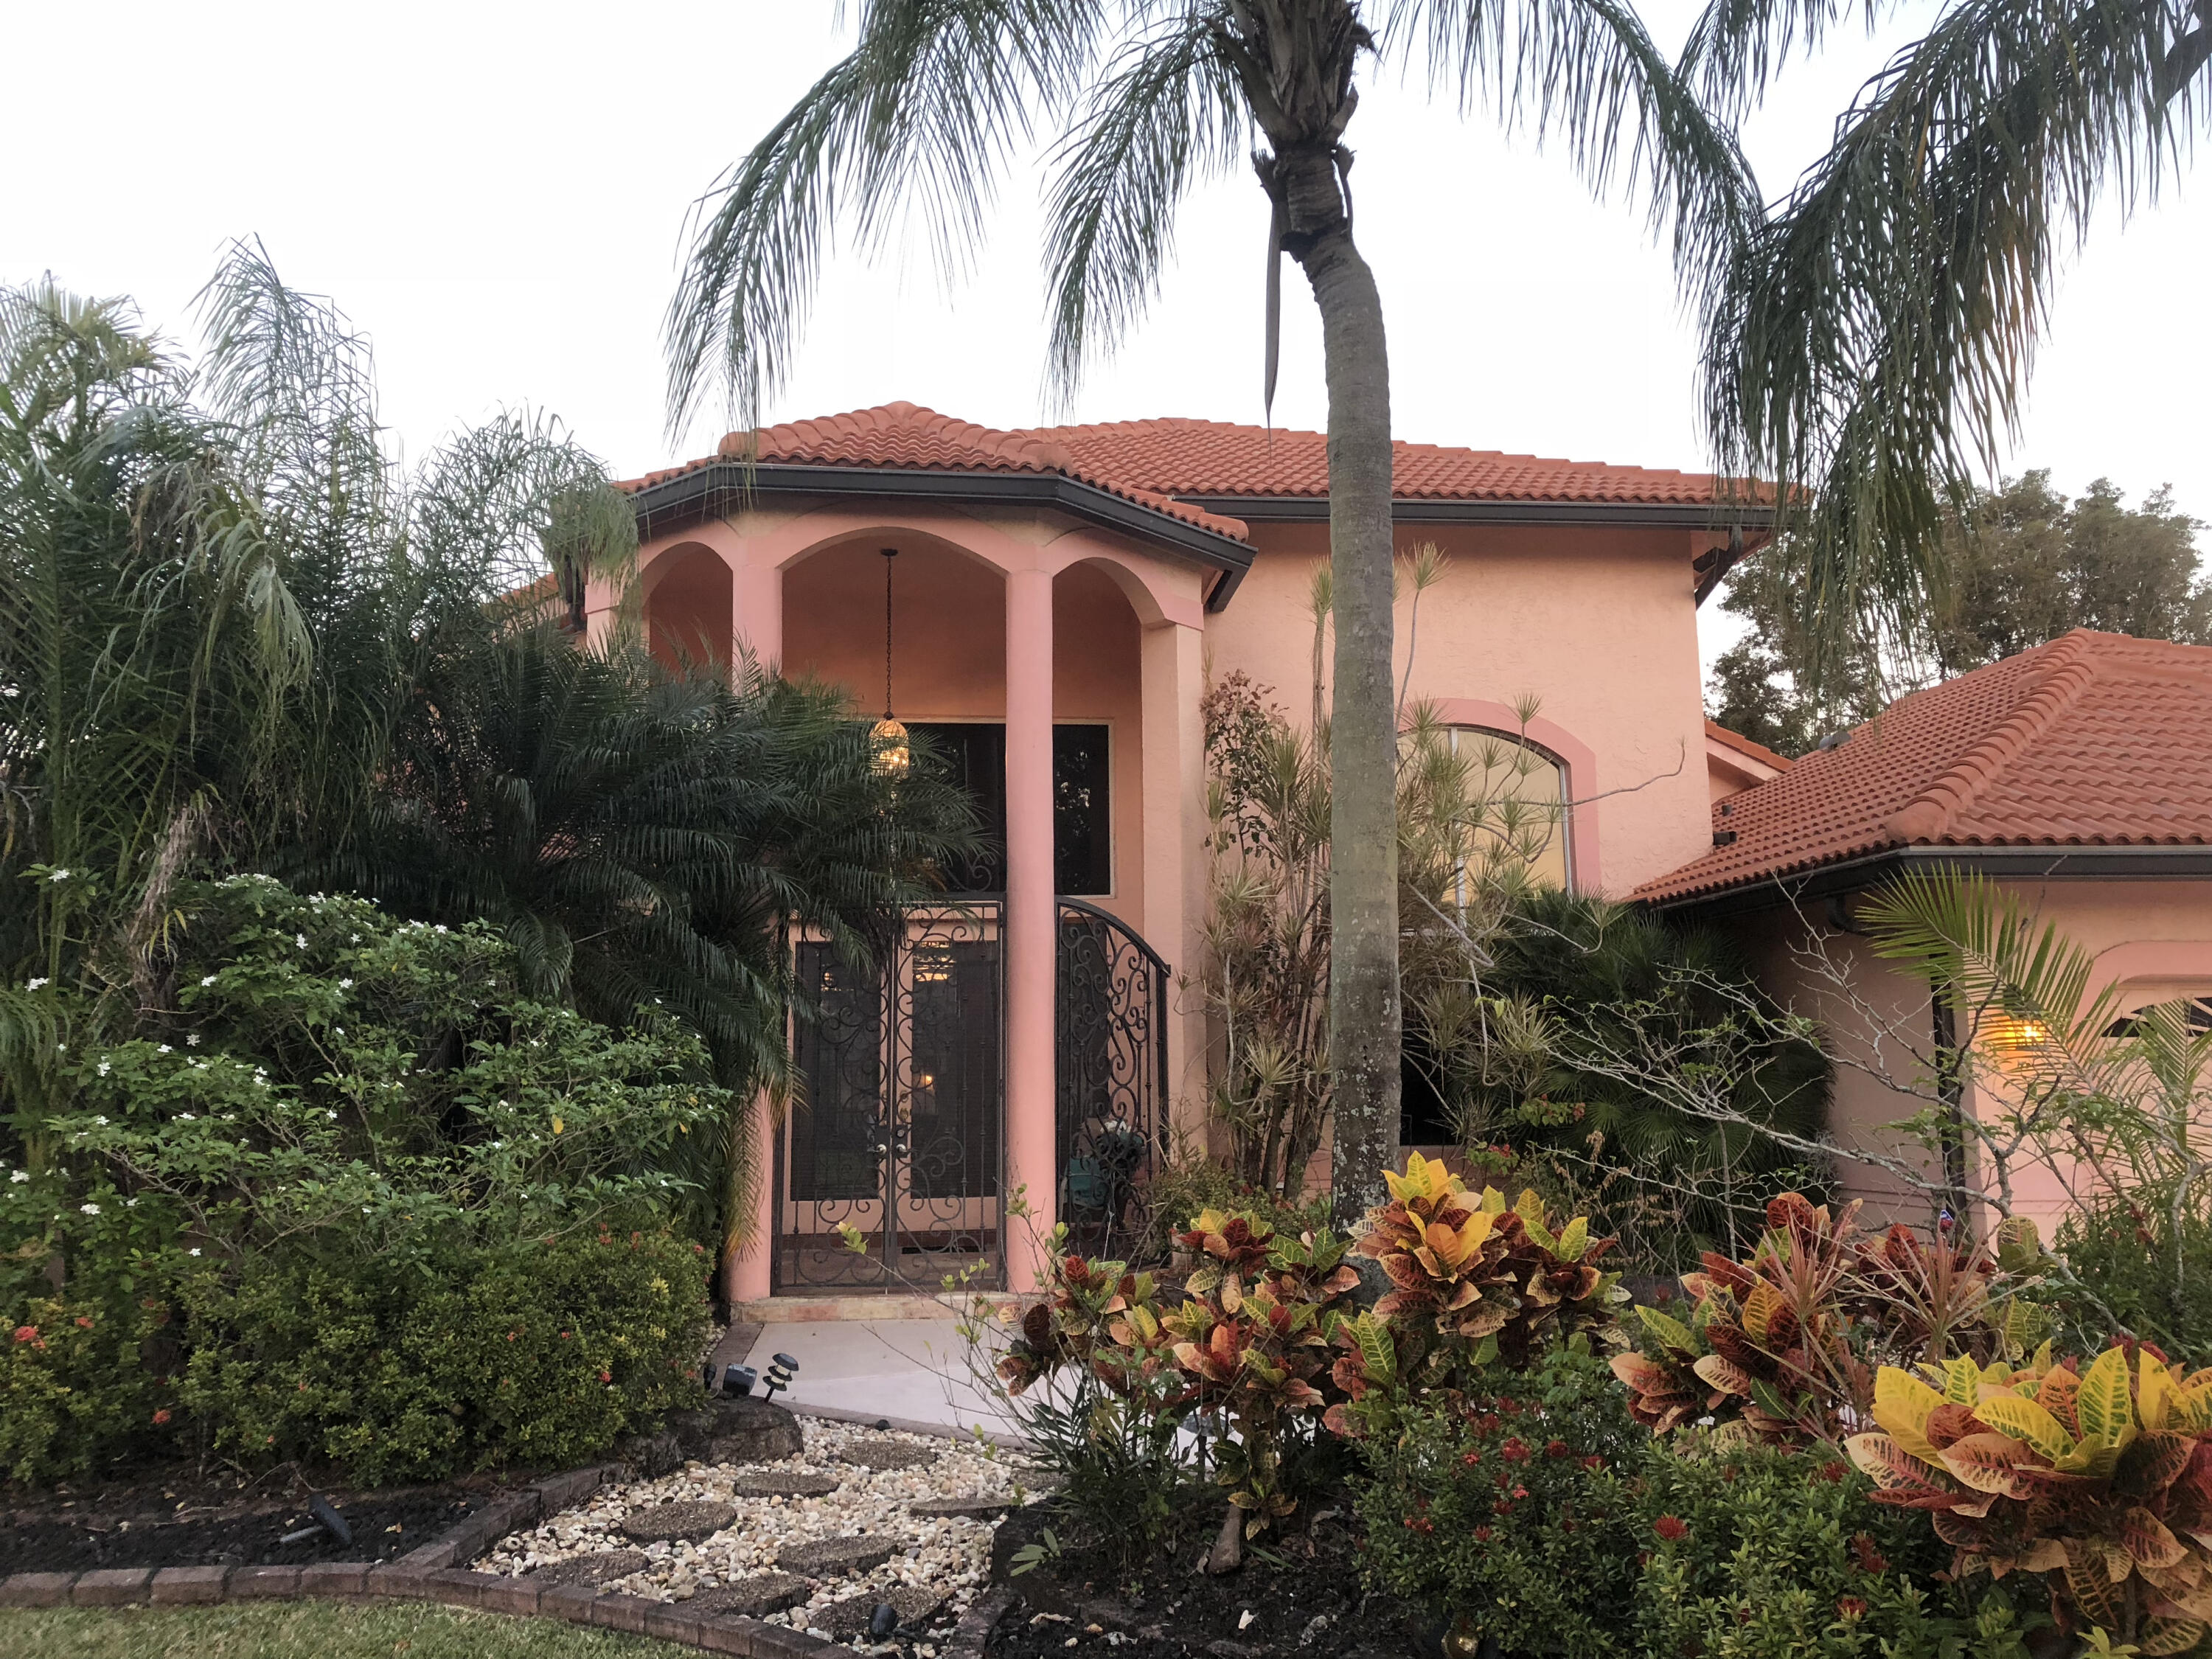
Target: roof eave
723, 486
1423, 509
2007, 863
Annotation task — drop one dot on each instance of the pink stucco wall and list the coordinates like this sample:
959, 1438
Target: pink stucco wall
1599, 625
2152, 938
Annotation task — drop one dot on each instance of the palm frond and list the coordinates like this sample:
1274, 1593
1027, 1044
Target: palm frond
922, 115
1871, 341
1167, 115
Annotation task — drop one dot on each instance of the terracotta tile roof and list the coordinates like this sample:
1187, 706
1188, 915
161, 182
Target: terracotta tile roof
1216, 458
902, 435
2093, 740
1152, 462
1743, 745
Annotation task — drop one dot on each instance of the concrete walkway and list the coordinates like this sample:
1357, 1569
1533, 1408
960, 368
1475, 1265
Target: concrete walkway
913, 1370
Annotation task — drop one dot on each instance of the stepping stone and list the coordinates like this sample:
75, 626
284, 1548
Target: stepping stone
850, 1616
832, 1558
598, 1569
978, 1508
793, 1484
881, 1458
665, 1523
755, 1597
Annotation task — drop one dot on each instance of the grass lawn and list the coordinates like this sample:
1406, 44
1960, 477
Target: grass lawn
310, 1630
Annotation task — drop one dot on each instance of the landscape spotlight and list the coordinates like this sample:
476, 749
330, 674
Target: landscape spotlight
739, 1380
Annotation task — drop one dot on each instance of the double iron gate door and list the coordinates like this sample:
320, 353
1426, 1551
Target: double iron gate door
890, 1170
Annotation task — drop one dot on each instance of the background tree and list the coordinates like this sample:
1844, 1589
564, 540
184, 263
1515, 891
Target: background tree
1871, 338
2026, 566
1148, 99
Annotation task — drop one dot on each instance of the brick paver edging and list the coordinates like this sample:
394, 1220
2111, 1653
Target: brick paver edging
435, 1572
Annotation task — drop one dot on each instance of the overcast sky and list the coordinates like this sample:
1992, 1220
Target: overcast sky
497, 195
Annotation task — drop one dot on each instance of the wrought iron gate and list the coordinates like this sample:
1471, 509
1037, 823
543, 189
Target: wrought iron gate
1111, 1016
898, 1129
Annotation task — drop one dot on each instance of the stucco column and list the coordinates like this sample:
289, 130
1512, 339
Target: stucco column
747, 1276
1174, 674
1029, 927
756, 608
602, 609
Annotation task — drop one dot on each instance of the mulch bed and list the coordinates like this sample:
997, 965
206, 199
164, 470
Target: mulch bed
1298, 1596
179, 1518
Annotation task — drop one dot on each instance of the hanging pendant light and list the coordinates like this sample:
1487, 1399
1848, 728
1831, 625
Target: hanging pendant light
889, 736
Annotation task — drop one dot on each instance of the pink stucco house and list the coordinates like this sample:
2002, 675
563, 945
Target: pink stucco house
2077, 774
1057, 602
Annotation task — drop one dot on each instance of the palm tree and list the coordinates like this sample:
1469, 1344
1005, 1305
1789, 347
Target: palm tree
1148, 98
1870, 343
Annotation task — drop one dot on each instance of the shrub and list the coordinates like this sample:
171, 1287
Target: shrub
327, 1158
1512, 1515
2151, 1269
1542, 1518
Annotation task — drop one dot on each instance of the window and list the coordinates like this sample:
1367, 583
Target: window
974, 753
1505, 769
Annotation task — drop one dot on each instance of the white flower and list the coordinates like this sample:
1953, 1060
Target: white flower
345, 985
333, 1116
300, 940
59, 875
208, 980
101, 1121
87, 1209
162, 1048
353, 938
338, 1029
192, 1040
35, 985
103, 1068
130, 1203
21, 1175
440, 928
185, 1117
195, 1250
61, 1048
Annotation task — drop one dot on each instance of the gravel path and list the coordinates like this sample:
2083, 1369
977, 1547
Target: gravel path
931, 1555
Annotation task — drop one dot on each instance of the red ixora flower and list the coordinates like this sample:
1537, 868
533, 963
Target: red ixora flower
1558, 1448
1482, 1535
161, 1416
1870, 1558
30, 1334
83, 1323
1514, 1450
1593, 1461
1831, 1471
1850, 1609
607, 1376
1672, 1527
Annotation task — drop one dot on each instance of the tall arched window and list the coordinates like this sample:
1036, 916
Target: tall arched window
1505, 767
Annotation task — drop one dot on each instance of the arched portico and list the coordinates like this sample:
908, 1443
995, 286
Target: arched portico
1015, 621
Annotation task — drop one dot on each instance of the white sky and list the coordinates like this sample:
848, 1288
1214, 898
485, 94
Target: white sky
495, 193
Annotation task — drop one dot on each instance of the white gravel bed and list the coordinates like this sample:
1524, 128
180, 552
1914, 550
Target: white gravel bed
949, 1554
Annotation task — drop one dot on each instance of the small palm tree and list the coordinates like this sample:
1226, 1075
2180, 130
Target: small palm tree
1870, 342
1148, 98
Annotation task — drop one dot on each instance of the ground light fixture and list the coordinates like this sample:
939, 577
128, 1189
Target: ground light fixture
782, 1368
892, 757
738, 1381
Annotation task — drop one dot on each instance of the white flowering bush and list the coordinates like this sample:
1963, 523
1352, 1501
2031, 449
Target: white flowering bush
352, 1198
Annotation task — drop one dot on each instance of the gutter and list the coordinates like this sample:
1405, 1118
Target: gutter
1650, 515
1998, 863
711, 491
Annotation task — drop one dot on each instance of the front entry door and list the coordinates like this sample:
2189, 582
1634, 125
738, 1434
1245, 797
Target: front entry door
895, 1141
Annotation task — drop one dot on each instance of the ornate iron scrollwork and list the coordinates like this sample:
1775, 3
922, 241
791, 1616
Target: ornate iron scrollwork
898, 1129
1112, 1045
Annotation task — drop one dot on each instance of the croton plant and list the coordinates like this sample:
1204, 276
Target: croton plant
2100, 1480
1783, 1345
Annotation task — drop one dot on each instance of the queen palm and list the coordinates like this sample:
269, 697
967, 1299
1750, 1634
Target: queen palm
1148, 98
1870, 343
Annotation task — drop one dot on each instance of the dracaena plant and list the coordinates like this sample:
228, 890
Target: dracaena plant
2099, 1481
1472, 1282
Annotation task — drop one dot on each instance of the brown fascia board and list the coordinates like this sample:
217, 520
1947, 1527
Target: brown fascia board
1998, 863
713, 490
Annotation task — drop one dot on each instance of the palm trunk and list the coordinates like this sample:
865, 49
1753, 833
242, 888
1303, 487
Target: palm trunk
1363, 881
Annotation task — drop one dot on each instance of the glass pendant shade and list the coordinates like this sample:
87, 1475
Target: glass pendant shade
891, 756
